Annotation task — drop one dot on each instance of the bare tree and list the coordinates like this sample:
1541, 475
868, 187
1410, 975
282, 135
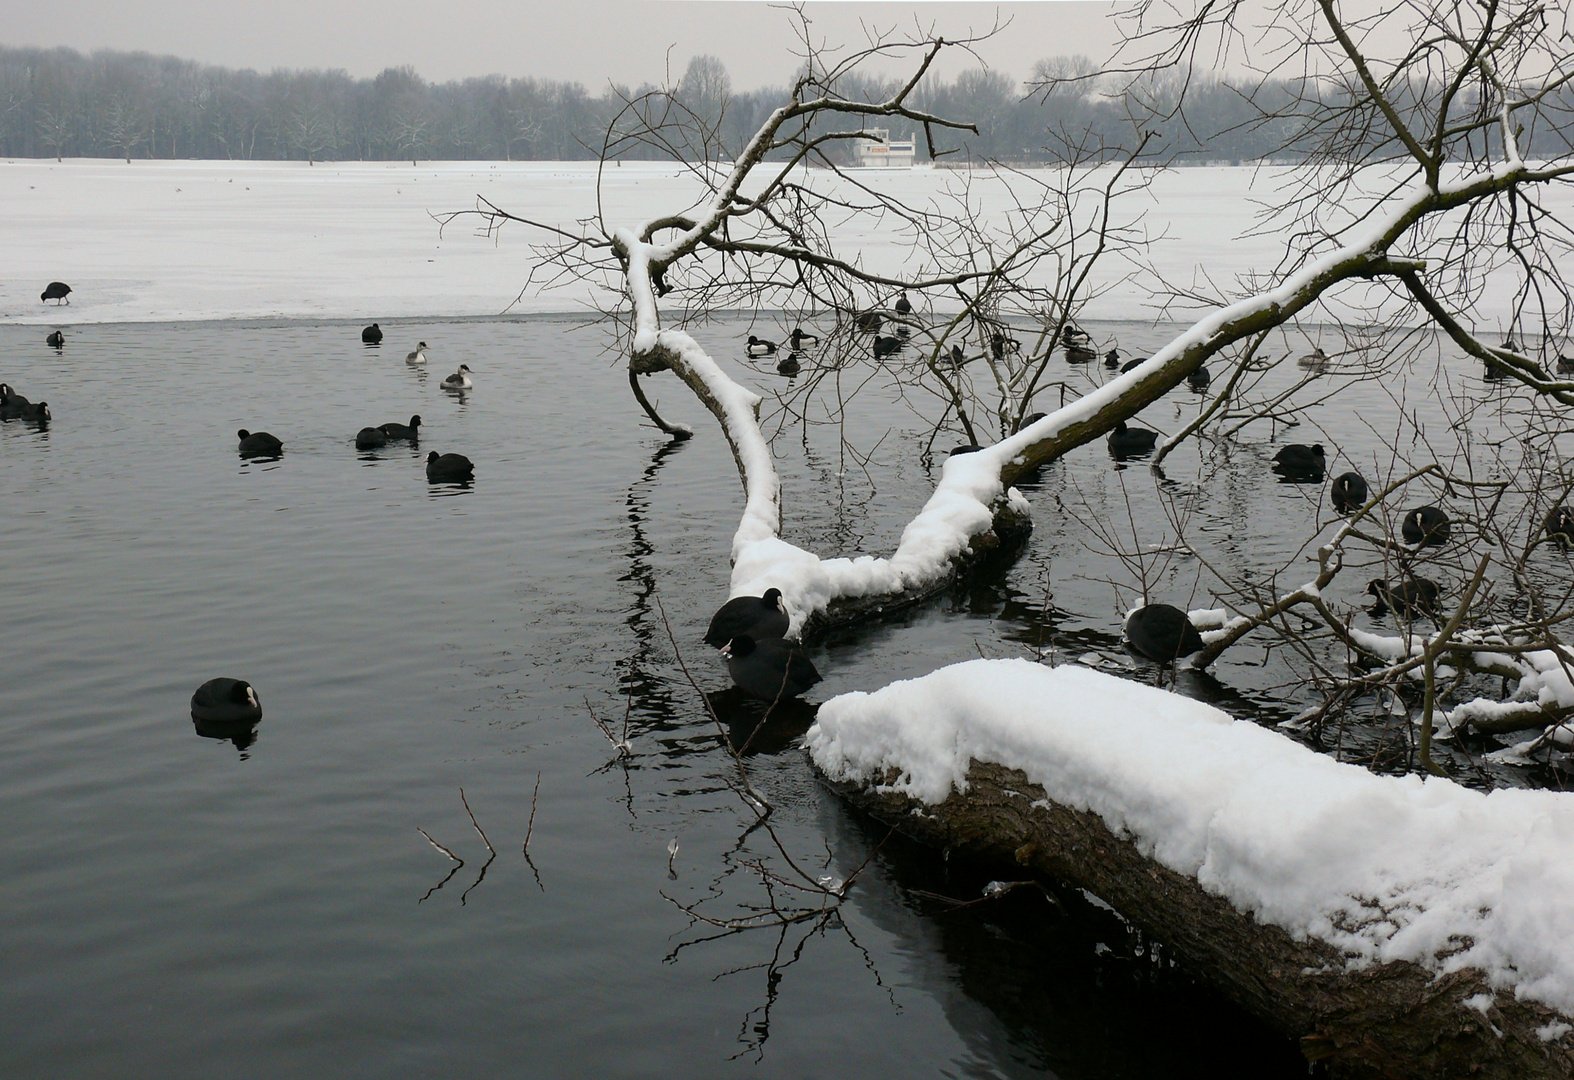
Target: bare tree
122, 125
1417, 192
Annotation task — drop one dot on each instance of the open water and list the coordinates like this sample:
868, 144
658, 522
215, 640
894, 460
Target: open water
180, 905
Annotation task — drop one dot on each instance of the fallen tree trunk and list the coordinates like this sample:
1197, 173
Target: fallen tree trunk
1387, 1020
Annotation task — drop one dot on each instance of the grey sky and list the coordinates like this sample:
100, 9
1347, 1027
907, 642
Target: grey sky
591, 41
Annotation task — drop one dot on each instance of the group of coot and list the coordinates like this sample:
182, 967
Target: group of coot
751, 633
440, 468
14, 406
228, 708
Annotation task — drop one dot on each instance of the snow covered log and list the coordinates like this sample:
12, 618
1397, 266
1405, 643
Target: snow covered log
1396, 926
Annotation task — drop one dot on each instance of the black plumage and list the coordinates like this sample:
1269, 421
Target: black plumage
886, 346
868, 322
903, 305
759, 347
1427, 526
57, 340
370, 438
790, 364
258, 444
770, 668
448, 468
1133, 364
1126, 441
1348, 492
1200, 378
410, 431
758, 616
1301, 462
226, 701
372, 335
1411, 597
55, 290
1560, 525
1162, 633
801, 339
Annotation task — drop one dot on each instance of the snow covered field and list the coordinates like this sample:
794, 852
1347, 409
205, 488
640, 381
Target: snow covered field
185, 240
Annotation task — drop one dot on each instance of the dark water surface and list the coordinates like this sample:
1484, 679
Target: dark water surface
181, 906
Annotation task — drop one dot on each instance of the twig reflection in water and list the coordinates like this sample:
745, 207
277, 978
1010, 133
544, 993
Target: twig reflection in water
492, 851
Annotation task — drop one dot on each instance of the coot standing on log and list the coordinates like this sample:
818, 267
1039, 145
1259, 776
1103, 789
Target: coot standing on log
758, 616
57, 291
769, 668
1162, 633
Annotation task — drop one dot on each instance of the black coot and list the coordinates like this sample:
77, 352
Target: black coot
868, 321
1301, 462
1112, 359
758, 616
1200, 378
258, 444
903, 305
226, 701
1426, 526
409, 431
57, 340
1348, 492
1126, 441
966, 448
790, 364
1411, 597
372, 335
1133, 364
55, 290
448, 468
769, 668
1162, 633
1560, 525
370, 438
886, 346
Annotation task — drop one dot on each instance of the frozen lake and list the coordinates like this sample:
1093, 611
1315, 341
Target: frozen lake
185, 240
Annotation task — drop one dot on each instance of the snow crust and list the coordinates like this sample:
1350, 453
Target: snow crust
179, 240
1382, 868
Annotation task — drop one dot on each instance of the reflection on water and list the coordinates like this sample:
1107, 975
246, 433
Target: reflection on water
414, 649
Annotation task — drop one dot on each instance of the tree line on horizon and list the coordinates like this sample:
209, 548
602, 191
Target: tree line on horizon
59, 102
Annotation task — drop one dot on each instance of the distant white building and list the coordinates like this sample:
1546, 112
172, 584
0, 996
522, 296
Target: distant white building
877, 150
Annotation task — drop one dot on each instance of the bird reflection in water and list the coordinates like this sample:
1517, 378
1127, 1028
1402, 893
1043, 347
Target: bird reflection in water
756, 727
240, 732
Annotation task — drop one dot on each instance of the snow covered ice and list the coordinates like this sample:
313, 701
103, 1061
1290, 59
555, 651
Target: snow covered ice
1383, 868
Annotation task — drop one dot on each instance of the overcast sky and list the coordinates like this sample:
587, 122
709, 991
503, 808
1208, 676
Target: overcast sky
591, 41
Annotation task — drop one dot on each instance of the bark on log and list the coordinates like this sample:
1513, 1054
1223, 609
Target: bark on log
1393, 1020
